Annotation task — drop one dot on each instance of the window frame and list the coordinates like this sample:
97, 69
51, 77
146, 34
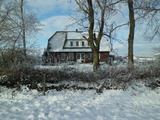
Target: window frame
63, 56
83, 44
77, 43
71, 43
71, 56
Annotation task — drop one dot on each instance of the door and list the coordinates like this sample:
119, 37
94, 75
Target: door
80, 58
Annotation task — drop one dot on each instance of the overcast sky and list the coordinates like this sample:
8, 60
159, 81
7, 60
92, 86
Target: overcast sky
54, 15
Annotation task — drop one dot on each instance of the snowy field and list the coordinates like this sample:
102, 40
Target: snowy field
136, 103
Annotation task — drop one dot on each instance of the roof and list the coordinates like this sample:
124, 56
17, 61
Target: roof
57, 42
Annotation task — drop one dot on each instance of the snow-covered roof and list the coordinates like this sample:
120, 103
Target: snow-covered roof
76, 34
58, 41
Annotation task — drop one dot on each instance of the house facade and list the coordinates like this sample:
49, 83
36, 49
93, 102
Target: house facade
66, 46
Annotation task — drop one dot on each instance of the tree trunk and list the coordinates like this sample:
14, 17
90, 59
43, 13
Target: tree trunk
23, 30
95, 60
94, 40
131, 32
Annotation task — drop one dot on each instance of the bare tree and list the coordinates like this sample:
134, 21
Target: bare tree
150, 12
6, 30
140, 12
135, 9
17, 25
147, 12
96, 12
27, 23
131, 32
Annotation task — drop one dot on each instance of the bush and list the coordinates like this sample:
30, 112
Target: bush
113, 77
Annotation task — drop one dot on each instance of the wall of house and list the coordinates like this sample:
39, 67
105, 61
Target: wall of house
88, 58
64, 57
103, 56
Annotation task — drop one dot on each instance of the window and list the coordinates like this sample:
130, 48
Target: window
71, 56
89, 55
78, 55
71, 43
77, 43
63, 56
82, 43
82, 56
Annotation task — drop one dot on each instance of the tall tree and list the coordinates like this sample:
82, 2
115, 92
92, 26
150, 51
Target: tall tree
131, 32
27, 24
97, 12
147, 11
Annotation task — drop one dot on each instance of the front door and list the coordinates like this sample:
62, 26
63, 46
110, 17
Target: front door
80, 58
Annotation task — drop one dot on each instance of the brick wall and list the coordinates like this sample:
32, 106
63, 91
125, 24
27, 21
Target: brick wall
104, 56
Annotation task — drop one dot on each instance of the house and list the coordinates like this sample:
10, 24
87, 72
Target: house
71, 46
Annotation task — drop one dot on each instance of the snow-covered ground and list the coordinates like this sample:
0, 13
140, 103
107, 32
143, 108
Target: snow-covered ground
136, 103
78, 67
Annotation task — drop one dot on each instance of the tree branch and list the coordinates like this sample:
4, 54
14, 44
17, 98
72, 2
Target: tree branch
80, 6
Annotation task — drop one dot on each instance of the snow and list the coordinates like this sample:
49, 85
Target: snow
136, 103
77, 67
84, 67
76, 34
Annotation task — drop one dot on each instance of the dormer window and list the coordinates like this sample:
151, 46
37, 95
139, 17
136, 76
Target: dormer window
77, 43
82, 43
71, 43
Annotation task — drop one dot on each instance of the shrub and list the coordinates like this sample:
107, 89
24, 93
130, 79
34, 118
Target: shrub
111, 77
